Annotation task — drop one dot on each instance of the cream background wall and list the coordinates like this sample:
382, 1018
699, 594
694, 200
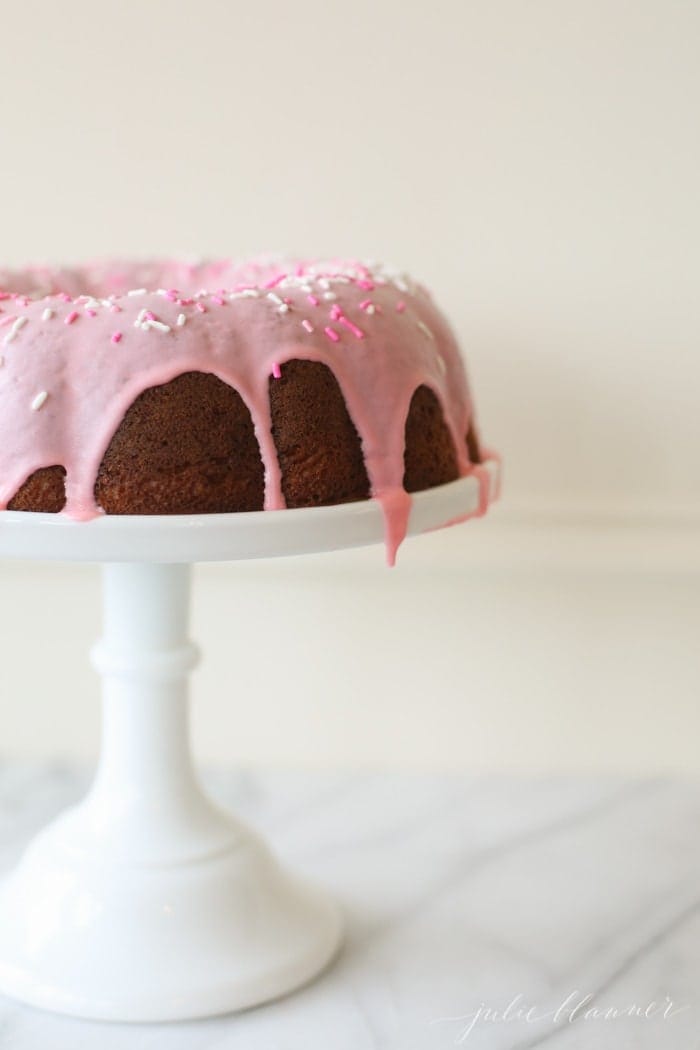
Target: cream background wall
536, 163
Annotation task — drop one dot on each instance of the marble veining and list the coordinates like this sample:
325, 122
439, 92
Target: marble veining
462, 896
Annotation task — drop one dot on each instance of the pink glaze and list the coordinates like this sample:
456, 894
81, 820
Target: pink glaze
243, 336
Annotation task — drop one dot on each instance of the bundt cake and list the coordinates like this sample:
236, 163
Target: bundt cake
213, 387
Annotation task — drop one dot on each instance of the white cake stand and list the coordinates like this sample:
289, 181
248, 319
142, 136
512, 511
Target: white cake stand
146, 902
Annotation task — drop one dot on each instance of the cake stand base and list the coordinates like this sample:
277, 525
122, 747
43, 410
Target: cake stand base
183, 941
146, 902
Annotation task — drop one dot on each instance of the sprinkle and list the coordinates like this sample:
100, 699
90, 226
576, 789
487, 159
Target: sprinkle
400, 306
181, 320
115, 308
276, 373
39, 400
137, 291
351, 327
72, 316
331, 333
47, 314
275, 298
139, 318
201, 307
64, 297
336, 313
366, 285
116, 337
329, 295
244, 293
158, 325
365, 303
17, 325
424, 329
371, 309
313, 300
218, 300
275, 281
307, 325
90, 312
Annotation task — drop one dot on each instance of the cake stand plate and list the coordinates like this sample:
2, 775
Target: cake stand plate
146, 902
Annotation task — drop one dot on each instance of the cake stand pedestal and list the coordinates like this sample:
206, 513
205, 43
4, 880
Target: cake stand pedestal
146, 902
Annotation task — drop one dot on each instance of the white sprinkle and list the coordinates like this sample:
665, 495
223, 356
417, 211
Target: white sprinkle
39, 400
400, 284
247, 293
140, 317
136, 291
181, 319
158, 325
307, 325
47, 314
17, 325
276, 299
424, 329
329, 296
283, 309
371, 309
107, 302
324, 282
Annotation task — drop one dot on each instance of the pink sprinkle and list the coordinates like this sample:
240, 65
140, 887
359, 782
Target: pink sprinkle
91, 313
149, 315
116, 337
365, 303
347, 323
313, 300
172, 294
65, 297
332, 334
72, 316
201, 307
276, 373
307, 325
336, 312
275, 281
400, 306
115, 308
217, 299
366, 284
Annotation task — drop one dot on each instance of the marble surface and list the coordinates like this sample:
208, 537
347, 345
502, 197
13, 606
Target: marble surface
480, 912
